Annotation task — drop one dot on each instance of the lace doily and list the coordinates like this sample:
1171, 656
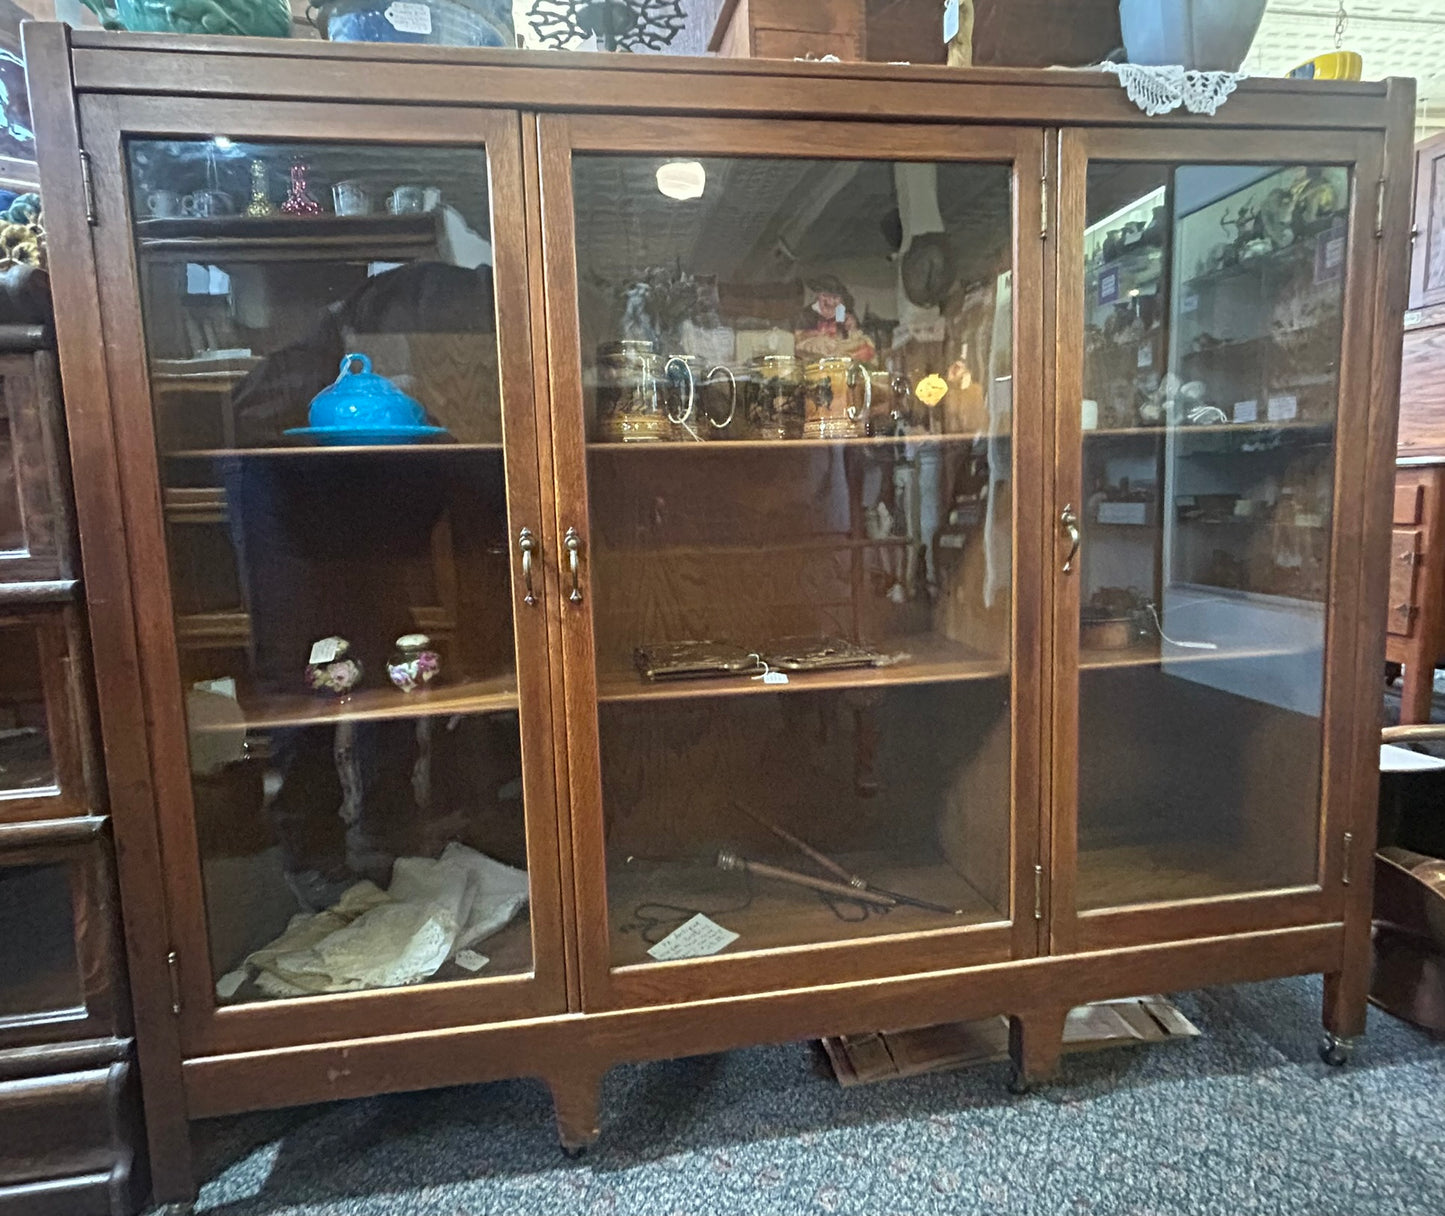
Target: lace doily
1157, 90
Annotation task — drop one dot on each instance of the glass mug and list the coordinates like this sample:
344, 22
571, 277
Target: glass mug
890, 403
775, 408
830, 411
696, 420
633, 383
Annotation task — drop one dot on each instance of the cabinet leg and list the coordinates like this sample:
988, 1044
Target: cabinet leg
1035, 1042
1346, 996
577, 1097
1417, 692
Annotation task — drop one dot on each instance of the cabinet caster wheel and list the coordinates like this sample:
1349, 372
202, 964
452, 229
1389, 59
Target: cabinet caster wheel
573, 1151
1018, 1083
1335, 1051
176, 1209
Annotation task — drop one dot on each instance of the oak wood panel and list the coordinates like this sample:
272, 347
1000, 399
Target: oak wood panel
1409, 500
1427, 267
1416, 634
1358, 747
1422, 387
102, 544
568, 80
235, 1083
205, 1027
1404, 575
31, 408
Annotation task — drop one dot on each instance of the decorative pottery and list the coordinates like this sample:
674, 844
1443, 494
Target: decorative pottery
260, 18
260, 206
1208, 35
332, 671
413, 665
299, 200
438, 22
362, 407
831, 413
634, 384
775, 404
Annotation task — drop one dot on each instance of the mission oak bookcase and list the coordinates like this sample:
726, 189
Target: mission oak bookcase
900, 544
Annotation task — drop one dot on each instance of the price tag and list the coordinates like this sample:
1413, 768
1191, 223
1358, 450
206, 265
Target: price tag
696, 939
950, 20
1283, 408
470, 960
1146, 355
775, 677
408, 18
325, 650
1246, 411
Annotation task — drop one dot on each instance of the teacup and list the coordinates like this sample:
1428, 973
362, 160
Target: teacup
407, 200
163, 204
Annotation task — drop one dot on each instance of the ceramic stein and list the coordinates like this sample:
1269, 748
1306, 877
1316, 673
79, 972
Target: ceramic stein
775, 404
692, 406
634, 384
332, 671
831, 413
414, 664
889, 406
351, 198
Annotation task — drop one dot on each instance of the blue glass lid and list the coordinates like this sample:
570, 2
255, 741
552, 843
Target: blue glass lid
359, 398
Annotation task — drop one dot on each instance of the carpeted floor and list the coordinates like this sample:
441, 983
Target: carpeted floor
1243, 1120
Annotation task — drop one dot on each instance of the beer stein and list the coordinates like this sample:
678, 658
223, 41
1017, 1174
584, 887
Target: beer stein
831, 413
695, 418
633, 383
775, 403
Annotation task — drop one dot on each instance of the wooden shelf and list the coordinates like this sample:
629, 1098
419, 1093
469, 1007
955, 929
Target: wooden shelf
785, 445
288, 237
377, 704
375, 449
780, 914
1133, 875
931, 661
1149, 655
1221, 428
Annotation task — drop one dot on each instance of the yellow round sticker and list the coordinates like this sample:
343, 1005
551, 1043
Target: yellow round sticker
931, 390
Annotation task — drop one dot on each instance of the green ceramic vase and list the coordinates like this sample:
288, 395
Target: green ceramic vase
262, 18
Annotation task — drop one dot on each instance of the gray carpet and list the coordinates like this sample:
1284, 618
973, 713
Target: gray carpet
1244, 1119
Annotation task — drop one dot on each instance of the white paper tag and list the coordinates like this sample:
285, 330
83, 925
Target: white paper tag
229, 984
1283, 408
950, 20
775, 677
1146, 355
470, 960
1246, 411
408, 18
697, 938
324, 650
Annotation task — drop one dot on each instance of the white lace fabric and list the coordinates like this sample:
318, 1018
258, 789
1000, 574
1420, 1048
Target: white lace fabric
1157, 90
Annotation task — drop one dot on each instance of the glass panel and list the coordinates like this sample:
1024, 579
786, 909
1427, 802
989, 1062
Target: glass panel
39, 972
799, 476
26, 765
1213, 300
12, 519
320, 325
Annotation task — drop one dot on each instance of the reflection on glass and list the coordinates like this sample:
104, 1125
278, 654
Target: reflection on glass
39, 973
798, 394
1213, 310
322, 341
26, 765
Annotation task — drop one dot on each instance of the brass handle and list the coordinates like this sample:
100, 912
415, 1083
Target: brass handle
1070, 523
573, 544
528, 545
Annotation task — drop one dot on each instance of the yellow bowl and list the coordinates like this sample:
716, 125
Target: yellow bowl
1335, 65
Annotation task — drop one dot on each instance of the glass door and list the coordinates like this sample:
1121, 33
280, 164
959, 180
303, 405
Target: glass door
1204, 617
796, 393
344, 635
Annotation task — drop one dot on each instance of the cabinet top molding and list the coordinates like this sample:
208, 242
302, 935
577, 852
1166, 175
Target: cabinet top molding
301, 69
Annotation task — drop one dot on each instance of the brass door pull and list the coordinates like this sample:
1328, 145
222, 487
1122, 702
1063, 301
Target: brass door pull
528, 545
1069, 521
573, 544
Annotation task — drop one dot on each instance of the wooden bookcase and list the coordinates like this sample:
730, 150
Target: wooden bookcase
1039, 812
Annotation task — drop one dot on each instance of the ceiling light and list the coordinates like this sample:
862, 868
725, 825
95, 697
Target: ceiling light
223, 142
682, 179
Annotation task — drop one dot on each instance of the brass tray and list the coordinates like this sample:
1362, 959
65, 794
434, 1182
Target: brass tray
689, 660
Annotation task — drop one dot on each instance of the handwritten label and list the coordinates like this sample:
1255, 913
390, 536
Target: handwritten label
325, 650
1246, 411
470, 960
409, 18
1283, 408
696, 939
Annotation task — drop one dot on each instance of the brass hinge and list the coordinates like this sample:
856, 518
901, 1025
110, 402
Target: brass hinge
1380, 208
88, 186
1345, 865
173, 963
1044, 192
1038, 892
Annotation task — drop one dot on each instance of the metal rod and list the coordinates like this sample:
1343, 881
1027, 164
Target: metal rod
732, 861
